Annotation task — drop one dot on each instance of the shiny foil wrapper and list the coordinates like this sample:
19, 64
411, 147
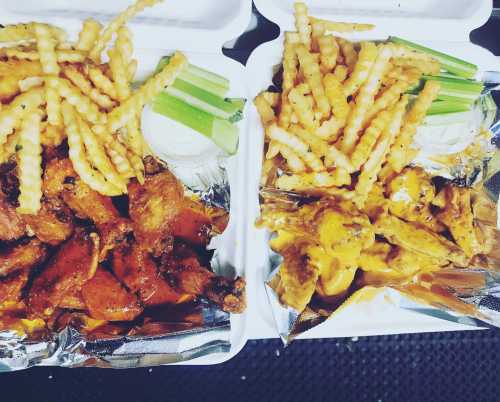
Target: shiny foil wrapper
467, 296
148, 345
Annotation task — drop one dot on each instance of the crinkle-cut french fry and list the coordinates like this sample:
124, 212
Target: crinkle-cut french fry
410, 75
400, 154
77, 99
333, 26
348, 52
333, 157
317, 31
119, 73
9, 87
373, 165
134, 136
388, 98
273, 149
328, 50
295, 164
118, 154
48, 59
302, 23
312, 181
312, 75
120, 115
367, 56
340, 72
338, 102
30, 165
369, 138
63, 56
427, 67
297, 145
46, 48
115, 24
23, 32
266, 112
10, 147
88, 35
137, 165
124, 44
76, 153
365, 99
403, 52
101, 81
329, 129
53, 136
11, 115
30, 83
20, 68
289, 77
82, 83
53, 102
132, 69
97, 156
301, 107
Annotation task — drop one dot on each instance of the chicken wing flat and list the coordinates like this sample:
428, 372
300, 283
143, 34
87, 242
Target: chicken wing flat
107, 299
187, 276
135, 268
154, 207
457, 216
53, 224
61, 180
419, 240
410, 196
112, 235
73, 264
22, 256
73, 300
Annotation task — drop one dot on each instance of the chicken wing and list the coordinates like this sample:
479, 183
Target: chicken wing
457, 216
113, 234
107, 299
53, 223
22, 256
73, 300
154, 207
410, 195
61, 180
73, 264
136, 270
419, 240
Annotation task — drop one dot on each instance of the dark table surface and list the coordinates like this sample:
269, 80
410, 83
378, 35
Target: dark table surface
450, 366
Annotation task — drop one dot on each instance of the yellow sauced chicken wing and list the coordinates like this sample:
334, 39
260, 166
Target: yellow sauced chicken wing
457, 216
410, 195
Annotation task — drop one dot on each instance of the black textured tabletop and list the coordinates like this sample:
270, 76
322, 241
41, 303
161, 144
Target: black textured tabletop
450, 366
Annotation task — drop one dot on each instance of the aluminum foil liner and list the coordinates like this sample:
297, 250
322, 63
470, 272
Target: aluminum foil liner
210, 334
467, 296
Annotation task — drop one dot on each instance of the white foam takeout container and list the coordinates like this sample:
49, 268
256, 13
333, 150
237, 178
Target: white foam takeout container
440, 24
199, 28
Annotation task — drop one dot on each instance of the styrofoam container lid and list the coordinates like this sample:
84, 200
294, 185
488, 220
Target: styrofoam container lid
192, 25
443, 20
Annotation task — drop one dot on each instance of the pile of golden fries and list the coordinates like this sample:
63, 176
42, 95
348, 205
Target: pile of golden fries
52, 90
341, 129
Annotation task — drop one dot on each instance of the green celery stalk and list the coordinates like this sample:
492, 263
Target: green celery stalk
220, 131
203, 100
447, 106
452, 88
199, 77
449, 63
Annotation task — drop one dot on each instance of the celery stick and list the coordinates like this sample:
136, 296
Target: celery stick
220, 131
199, 77
203, 100
449, 63
452, 88
443, 107
455, 82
